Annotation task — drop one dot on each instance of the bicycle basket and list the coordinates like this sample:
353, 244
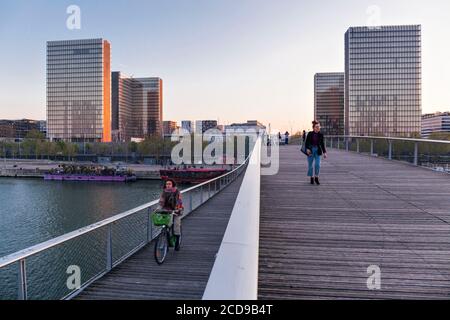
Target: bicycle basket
161, 219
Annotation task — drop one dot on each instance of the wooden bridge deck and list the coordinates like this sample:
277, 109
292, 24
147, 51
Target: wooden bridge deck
184, 274
316, 242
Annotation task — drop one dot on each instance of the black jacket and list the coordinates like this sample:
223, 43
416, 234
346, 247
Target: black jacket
309, 146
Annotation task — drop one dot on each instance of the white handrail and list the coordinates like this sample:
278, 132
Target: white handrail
235, 272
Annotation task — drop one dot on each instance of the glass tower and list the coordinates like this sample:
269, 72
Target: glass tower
137, 109
329, 102
383, 80
79, 90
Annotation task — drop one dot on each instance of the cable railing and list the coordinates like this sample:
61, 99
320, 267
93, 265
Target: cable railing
433, 154
48, 270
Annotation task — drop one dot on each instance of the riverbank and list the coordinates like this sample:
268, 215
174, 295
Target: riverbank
37, 168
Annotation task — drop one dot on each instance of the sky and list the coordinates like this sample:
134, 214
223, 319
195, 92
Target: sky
229, 60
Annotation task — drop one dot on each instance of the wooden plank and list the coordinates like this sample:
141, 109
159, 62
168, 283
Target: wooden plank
316, 242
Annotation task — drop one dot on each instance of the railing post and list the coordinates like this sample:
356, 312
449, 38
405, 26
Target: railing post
209, 190
190, 202
357, 145
201, 195
109, 247
149, 227
390, 150
371, 147
416, 153
22, 292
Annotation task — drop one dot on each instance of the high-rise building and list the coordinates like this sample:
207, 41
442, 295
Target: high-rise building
79, 90
436, 122
137, 108
123, 126
149, 95
383, 80
187, 125
329, 102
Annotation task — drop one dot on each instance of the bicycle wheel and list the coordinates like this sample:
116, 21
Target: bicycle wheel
161, 247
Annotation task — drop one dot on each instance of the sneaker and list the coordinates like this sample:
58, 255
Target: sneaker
317, 180
312, 180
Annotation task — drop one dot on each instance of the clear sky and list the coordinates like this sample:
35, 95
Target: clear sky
231, 60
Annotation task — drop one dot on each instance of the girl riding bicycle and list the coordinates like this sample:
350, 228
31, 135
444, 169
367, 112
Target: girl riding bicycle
170, 200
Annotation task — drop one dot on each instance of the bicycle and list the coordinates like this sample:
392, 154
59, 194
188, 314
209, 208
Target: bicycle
166, 237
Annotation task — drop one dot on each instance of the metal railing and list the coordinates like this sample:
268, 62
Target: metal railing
434, 154
45, 271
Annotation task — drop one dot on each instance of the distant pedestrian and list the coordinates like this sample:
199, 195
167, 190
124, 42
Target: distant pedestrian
286, 137
315, 148
303, 136
279, 137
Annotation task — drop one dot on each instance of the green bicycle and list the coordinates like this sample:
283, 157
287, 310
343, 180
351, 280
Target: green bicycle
166, 237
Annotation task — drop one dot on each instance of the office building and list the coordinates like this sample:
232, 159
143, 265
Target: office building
329, 102
137, 108
19, 129
383, 80
79, 90
201, 126
438, 122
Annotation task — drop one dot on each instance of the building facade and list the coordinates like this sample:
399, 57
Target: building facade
19, 129
248, 126
79, 90
383, 80
169, 127
329, 104
435, 123
137, 107
201, 126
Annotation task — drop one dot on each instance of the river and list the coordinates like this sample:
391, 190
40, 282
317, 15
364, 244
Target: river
33, 210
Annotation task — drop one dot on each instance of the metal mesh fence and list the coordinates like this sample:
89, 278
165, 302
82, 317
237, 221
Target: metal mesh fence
431, 154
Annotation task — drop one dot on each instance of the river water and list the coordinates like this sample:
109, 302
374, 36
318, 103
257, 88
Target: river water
33, 210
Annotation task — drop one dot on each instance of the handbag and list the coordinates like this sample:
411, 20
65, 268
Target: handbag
303, 148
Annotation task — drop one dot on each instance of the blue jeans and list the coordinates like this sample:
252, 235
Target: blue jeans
314, 157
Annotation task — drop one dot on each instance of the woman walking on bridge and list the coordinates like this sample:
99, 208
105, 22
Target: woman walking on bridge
315, 148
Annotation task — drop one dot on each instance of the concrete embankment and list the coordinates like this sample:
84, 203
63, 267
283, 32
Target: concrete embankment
38, 173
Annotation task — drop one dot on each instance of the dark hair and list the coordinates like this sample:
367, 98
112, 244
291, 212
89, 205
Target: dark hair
314, 123
171, 180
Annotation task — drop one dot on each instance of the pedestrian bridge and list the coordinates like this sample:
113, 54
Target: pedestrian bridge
376, 228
